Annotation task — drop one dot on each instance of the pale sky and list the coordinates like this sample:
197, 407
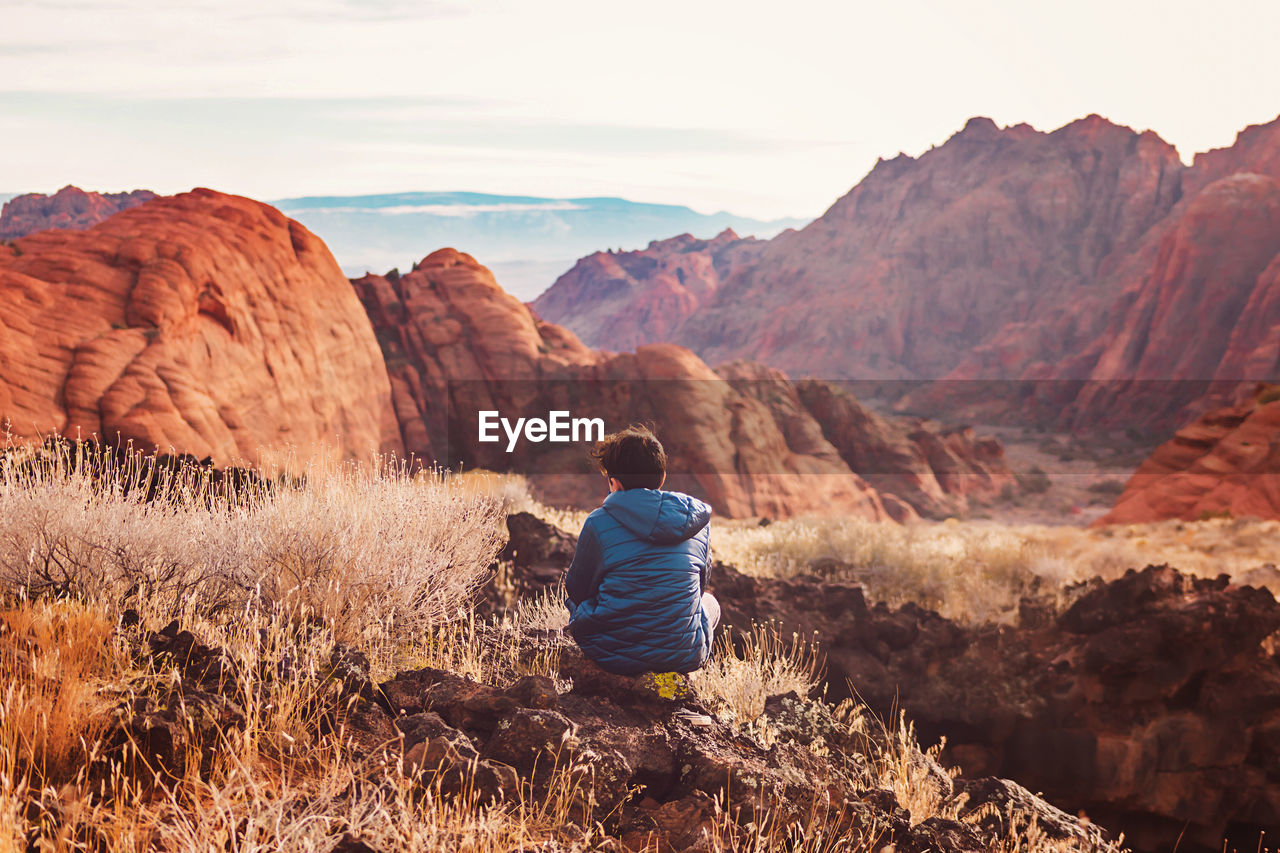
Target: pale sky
764, 109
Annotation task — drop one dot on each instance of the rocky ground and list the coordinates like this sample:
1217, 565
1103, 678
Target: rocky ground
1150, 703
650, 779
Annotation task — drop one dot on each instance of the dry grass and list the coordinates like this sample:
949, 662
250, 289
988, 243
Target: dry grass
374, 553
913, 774
977, 571
970, 571
58, 663
277, 784
488, 650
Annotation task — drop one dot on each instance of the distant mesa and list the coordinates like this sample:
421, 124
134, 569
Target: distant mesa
69, 209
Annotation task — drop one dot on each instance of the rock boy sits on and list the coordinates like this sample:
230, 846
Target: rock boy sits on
636, 586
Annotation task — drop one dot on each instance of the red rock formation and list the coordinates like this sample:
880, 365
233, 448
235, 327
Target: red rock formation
1227, 461
1089, 254
1206, 309
623, 300
205, 323
1256, 150
455, 342
70, 208
1114, 286
937, 471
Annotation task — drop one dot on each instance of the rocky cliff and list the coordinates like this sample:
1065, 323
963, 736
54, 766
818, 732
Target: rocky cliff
929, 257
455, 344
623, 300
70, 208
204, 323
916, 466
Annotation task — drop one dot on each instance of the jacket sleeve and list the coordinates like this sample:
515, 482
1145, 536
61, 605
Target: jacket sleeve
583, 578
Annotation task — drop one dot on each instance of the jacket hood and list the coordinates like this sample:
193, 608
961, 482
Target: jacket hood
663, 518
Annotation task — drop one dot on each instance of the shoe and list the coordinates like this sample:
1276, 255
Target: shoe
693, 718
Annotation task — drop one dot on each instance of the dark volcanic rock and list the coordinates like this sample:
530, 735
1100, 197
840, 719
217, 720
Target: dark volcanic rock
636, 771
1152, 703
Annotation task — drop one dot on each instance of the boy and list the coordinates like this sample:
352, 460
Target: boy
635, 588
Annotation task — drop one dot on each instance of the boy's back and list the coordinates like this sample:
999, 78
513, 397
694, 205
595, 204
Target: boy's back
635, 586
635, 589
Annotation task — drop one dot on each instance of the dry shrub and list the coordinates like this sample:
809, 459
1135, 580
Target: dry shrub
373, 552
494, 651
746, 670
544, 611
822, 829
281, 782
386, 810
959, 570
511, 491
912, 773
515, 494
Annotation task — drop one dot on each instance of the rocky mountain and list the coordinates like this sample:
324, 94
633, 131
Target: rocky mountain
938, 471
929, 257
1227, 462
526, 240
627, 299
203, 323
70, 208
1082, 263
456, 344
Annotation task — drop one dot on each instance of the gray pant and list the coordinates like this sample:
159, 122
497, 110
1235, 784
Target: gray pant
712, 608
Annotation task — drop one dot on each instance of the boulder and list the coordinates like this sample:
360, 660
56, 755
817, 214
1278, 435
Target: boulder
1226, 463
203, 323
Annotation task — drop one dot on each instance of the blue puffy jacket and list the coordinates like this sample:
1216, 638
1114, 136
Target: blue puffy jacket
635, 585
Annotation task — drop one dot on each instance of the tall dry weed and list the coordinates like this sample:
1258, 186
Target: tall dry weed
745, 670
375, 554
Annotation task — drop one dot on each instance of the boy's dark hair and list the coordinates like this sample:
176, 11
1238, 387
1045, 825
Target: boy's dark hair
634, 456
